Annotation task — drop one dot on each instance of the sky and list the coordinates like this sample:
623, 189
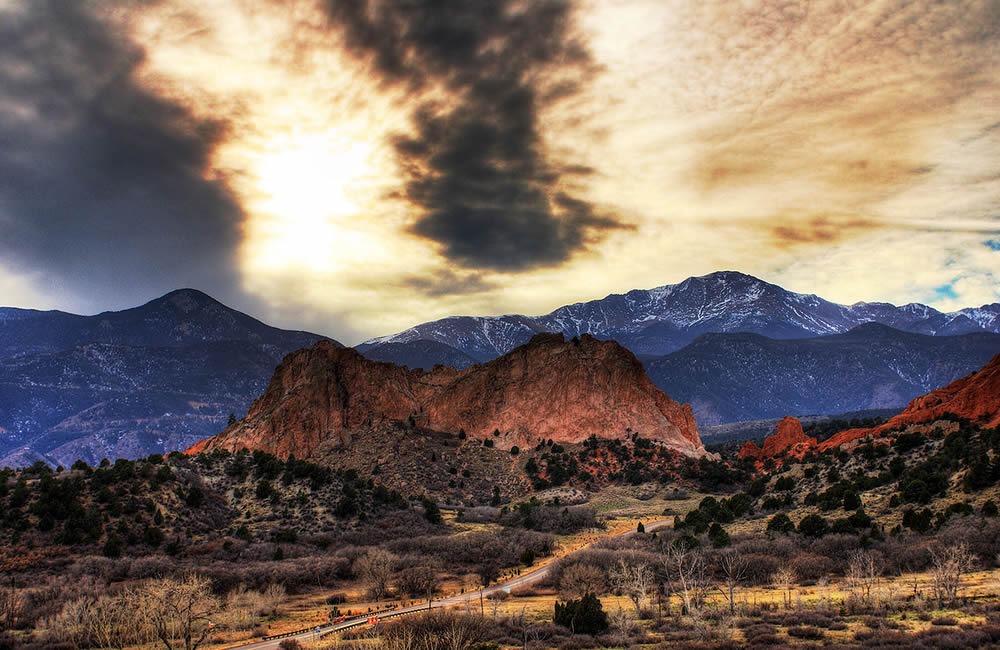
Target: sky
356, 167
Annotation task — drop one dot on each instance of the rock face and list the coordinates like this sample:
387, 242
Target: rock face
788, 438
547, 389
975, 397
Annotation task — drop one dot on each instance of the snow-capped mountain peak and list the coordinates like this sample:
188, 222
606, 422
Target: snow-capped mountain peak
663, 319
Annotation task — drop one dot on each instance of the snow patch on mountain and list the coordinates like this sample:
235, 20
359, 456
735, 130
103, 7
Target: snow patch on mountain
663, 319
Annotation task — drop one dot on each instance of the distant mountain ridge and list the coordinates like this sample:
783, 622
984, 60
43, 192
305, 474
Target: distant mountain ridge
732, 377
658, 321
181, 317
129, 383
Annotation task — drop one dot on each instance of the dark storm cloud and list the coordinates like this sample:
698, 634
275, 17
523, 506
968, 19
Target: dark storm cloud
477, 167
103, 184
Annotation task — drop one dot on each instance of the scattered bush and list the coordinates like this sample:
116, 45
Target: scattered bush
585, 615
805, 632
813, 526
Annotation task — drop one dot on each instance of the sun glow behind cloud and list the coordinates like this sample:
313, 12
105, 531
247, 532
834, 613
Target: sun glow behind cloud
306, 195
308, 145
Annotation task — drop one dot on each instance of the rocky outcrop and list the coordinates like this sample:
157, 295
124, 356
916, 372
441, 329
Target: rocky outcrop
549, 388
788, 439
975, 397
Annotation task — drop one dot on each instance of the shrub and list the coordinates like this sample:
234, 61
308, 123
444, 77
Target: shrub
427, 629
718, 536
805, 632
195, 497
918, 521
810, 567
851, 501
585, 615
759, 631
431, 511
771, 503
784, 484
759, 567
113, 546
152, 536
813, 526
780, 523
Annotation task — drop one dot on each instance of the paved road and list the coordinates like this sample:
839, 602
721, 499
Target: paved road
459, 599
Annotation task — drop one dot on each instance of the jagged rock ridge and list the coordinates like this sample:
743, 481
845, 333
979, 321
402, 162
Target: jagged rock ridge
548, 388
788, 438
975, 397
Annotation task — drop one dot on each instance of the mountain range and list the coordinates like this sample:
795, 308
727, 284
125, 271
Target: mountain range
655, 322
163, 375
734, 377
154, 378
738, 348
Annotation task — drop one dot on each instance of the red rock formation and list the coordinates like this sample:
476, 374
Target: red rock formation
975, 397
788, 438
548, 388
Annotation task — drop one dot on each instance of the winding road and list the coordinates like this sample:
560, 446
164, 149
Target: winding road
524, 580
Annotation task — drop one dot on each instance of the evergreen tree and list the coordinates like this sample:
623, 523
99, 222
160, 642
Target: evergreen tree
583, 616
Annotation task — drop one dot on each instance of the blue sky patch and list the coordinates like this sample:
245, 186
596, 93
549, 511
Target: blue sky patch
945, 291
993, 243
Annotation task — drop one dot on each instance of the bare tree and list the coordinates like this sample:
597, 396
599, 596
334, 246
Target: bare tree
685, 574
948, 564
10, 605
271, 599
864, 569
113, 622
419, 582
734, 569
488, 570
633, 578
242, 605
375, 569
178, 609
580, 579
529, 631
496, 599
70, 625
622, 625
783, 579
104, 622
